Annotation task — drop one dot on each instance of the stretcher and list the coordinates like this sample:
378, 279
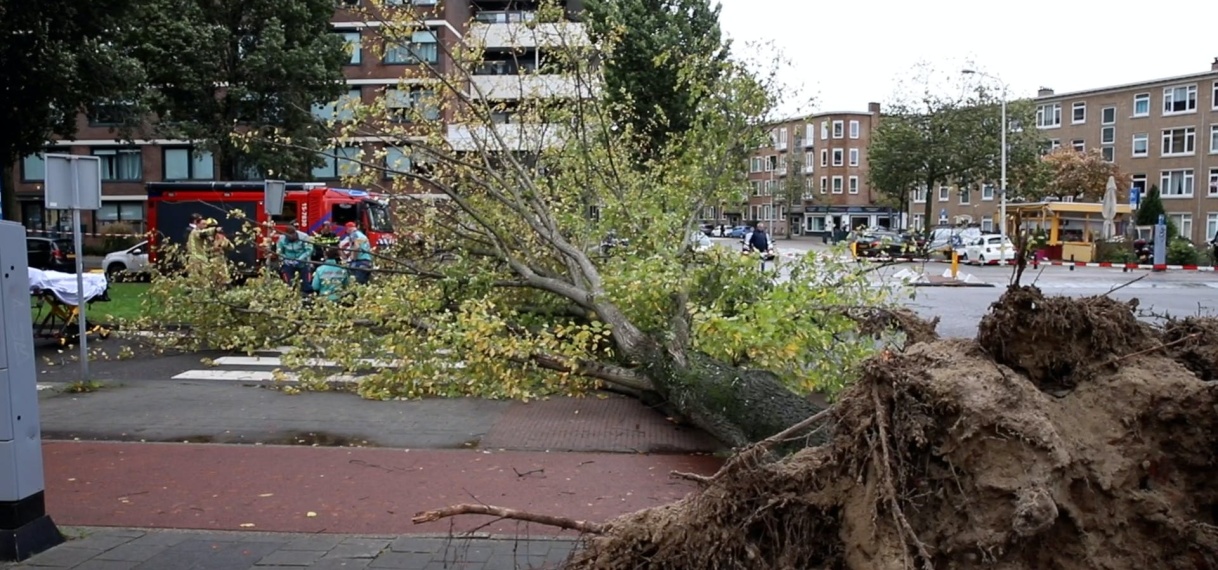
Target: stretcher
57, 304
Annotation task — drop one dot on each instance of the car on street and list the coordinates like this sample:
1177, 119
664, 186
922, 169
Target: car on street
128, 263
50, 254
738, 232
699, 242
880, 243
988, 249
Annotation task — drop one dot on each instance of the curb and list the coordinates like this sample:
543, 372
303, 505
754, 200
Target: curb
1034, 265
954, 285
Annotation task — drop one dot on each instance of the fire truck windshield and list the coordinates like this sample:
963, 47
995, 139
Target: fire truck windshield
378, 217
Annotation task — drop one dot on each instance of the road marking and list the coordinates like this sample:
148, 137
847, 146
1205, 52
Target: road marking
253, 376
315, 362
42, 387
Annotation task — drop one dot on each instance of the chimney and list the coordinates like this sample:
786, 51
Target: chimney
1214, 66
1044, 92
874, 108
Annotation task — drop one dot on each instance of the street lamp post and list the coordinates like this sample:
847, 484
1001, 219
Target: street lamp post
1002, 190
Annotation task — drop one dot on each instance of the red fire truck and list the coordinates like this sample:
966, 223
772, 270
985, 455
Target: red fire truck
308, 205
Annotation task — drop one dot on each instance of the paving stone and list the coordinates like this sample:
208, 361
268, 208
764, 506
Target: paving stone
359, 548
424, 544
101, 541
132, 552
162, 539
210, 555
63, 557
320, 542
96, 564
298, 558
342, 564
401, 560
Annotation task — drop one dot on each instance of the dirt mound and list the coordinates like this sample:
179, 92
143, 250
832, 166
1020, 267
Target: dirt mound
1056, 341
943, 458
1194, 342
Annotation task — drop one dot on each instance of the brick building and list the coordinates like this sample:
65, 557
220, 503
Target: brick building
813, 176
1163, 132
506, 27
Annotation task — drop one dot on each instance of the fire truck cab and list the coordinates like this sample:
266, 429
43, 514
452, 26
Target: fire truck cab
308, 205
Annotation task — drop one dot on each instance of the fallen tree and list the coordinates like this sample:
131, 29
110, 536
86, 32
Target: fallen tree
513, 291
1037, 446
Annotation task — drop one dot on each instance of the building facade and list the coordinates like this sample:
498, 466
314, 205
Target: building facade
506, 28
812, 176
1162, 132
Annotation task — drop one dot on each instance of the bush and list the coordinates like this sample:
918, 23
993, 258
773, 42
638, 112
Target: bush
1182, 252
118, 236
1114, 252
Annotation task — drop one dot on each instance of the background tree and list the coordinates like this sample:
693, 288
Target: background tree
1082, 175
512, 295
1150, 208
651, 83
218, 66
59, 56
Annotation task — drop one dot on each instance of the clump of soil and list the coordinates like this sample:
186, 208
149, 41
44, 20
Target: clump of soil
942, 457
877, 322
1055, 341
1194, 342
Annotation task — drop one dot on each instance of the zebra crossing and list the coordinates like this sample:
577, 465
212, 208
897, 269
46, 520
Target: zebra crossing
268, 366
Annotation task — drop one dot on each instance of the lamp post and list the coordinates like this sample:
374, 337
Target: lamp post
1002, 190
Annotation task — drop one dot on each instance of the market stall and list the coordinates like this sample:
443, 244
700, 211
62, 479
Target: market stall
1071, 228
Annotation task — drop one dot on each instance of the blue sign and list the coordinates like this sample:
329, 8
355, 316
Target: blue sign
1162, 220
943, 213
1135, 196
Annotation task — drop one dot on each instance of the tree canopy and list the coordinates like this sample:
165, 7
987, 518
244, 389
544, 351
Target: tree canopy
1082, 175
59, 56
936, 139
216, 67
514, 292
666, 56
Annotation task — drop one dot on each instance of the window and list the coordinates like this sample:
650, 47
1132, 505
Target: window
1108, 116
110, 113
409, 106
1213, 187
1211, 225
421, 48
337, 163
854, 129
919, 195
755, 164
1183, 223
809, 162
1141, 144
943, 193
1214, 98
1178, 141
1078, 113
769, 163
188, 164
1055, 144
987, 225
854, 157
824, 130
1141, 105
824, 158
756, 186
809, 134
837, 184
131, 213
1108, 153
838, 129
987, 192
917, 222
121, 164
1048, 116
964, 196
1176, 183
341, 110
351, 41
824, 185
1079, 145
1139, 183
33, 167
838, 157
1108, 135
854, 184
398, 160
1180, 99
1214, 139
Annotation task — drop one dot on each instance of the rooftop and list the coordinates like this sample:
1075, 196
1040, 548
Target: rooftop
1211, 74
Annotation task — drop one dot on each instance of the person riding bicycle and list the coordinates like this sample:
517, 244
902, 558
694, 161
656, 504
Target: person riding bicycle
760, 241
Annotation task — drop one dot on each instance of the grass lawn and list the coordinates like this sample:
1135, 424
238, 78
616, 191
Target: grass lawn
126, 302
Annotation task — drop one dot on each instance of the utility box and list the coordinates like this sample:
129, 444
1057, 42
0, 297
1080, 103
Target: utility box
25, 529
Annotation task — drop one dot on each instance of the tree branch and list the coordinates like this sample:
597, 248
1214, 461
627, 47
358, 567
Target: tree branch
512, 514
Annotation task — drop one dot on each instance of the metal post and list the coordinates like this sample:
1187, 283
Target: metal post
1002, 204
80, 298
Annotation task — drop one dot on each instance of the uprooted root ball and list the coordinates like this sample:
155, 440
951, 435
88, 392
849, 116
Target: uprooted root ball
1194, 342
1055, 340
941, 455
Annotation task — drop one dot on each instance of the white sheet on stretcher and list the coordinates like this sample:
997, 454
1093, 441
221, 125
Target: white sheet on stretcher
63, 285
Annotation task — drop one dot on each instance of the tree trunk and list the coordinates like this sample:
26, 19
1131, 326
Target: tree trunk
734, 405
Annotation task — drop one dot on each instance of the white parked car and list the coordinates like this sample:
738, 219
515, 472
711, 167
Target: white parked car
990, 249
700, 242
126, 264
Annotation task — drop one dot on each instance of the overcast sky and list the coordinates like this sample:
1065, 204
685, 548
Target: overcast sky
848, 53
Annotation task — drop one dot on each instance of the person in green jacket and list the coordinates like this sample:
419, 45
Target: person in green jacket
295, 258
330, 278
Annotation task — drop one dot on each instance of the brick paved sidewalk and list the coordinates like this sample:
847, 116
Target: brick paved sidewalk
137, 549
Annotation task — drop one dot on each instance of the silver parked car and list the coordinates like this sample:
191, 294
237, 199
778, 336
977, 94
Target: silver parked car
127, 264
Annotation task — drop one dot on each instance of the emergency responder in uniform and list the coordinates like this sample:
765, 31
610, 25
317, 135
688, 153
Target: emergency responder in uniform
324, 239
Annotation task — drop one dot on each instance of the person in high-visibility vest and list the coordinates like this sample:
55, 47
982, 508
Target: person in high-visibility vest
358, 252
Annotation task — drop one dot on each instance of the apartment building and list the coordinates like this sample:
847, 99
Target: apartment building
1163, 132
506, 27
812, 176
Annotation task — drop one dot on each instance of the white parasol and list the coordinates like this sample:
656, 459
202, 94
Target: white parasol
1109, 208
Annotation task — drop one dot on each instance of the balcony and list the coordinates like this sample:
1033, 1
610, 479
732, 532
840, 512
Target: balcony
511, 137
782, 170
780, 145
517, 87
808, 169
527, 35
